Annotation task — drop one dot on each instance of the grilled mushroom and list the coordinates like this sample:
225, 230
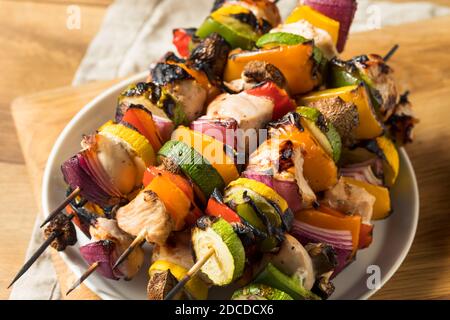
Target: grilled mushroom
61, 225
342, 115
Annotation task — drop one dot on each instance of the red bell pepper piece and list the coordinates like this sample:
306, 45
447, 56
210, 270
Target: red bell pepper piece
217, 209
282, 102
365, 235
181, 39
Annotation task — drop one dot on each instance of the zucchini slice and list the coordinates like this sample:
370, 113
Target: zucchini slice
258, 212
211, 149
193, 165
323, 131
260, 292
227, 262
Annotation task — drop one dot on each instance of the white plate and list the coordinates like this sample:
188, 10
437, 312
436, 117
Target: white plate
392, 237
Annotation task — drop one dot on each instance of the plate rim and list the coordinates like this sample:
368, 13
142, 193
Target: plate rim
45, 190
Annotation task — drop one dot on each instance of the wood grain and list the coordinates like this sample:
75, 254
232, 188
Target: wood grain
38, 53
426, 271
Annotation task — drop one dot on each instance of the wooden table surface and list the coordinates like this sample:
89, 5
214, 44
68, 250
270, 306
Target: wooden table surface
43, 54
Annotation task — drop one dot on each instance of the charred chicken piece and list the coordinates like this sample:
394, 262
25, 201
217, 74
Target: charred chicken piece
379, 77
402, 121
188, 94
64, 228
176, 250
146, 212
350, 200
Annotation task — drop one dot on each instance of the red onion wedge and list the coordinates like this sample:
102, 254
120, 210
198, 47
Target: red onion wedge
339, 10
222, 130
101, 252
75, 176
340, 240
165, 127
362, 173
285, 188
90, 165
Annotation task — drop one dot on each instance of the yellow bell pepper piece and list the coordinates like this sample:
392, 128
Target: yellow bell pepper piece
294, 61
382, 205
228, 10
196, 287
317, 19
137, 142
263, 190
369, 125
211, 149
392, 160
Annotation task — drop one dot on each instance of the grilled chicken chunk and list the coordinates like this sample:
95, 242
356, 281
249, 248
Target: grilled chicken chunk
285, 162
251, 112
176, 250
350, 199
124, 169
308, 195
191, 95
380, 77
108, 229
146, 212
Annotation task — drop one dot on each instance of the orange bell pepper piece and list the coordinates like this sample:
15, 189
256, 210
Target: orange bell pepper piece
318, 168
294, 61
177, 203
331, 221
184, 185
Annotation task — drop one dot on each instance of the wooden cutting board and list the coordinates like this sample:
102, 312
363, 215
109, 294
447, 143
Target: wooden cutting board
422, 65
